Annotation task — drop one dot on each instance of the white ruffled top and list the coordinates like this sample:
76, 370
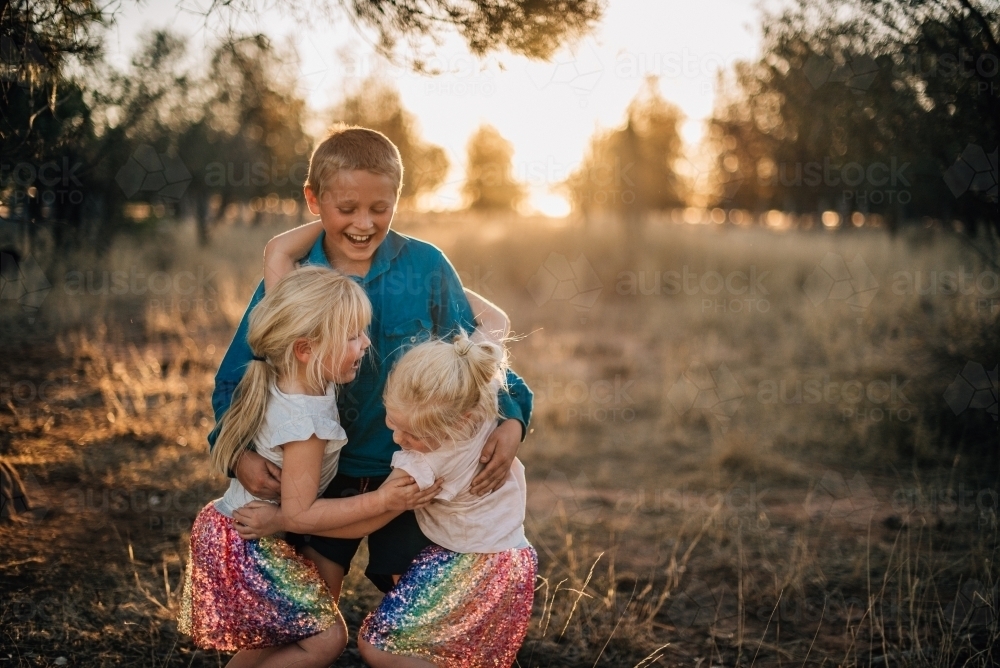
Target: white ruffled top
288, 418
457, 519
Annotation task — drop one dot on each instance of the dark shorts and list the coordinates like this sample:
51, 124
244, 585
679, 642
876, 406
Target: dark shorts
390, 549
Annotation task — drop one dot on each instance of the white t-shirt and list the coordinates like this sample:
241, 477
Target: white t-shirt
288, 418
457, 519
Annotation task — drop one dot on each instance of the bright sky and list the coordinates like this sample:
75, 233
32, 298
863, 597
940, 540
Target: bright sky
548, 110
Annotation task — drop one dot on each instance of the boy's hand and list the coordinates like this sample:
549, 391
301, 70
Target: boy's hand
402, 492
257, 519
260, 477
498, 455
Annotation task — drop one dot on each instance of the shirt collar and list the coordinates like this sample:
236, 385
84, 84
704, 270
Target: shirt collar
384, 254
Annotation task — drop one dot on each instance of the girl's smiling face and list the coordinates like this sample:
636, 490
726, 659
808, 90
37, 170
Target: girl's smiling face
402, 434
347, 369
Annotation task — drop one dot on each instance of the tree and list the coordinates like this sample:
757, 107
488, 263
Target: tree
489, 173
247, 139
533, 28
44, 117
847, 92
631, 170
376, 104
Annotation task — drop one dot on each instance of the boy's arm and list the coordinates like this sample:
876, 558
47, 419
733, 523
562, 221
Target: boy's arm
233, 367
451, 310
258, 475
492, 324
283, 251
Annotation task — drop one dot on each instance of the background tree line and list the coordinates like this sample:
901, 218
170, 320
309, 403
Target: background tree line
82, 143
883, 108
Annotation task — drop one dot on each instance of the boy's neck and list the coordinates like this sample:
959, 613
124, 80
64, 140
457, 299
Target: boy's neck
344, 265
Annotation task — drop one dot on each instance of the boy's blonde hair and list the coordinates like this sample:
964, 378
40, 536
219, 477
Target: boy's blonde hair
447, 390
350, 147
312, 303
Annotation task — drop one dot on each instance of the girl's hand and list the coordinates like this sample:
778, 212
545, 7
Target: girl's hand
401, 493
258, 519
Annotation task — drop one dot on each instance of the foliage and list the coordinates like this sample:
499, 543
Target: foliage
157, 140
533, 28
489, 181
886, 108
376, 104
631, 170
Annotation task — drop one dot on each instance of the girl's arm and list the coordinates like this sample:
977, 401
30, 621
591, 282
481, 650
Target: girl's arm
283, 251
260, 518
349, 517
493, 323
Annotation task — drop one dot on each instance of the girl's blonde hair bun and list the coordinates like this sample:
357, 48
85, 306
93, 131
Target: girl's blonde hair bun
448, 390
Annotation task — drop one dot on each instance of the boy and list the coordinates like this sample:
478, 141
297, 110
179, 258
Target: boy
354, 179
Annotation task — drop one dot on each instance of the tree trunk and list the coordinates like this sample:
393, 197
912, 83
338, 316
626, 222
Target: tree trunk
13, 497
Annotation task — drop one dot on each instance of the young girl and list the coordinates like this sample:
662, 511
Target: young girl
260, 597
466, 601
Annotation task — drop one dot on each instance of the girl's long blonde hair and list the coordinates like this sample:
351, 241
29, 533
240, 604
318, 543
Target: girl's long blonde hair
447, 390
312, 303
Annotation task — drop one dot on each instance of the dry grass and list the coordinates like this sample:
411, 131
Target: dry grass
772, 531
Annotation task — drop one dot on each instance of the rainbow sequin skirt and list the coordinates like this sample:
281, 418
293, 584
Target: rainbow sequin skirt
249, 594
458, 610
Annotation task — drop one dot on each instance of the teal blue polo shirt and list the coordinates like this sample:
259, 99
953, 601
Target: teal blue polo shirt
416, 295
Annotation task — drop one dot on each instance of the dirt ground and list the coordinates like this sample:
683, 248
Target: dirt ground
771, 535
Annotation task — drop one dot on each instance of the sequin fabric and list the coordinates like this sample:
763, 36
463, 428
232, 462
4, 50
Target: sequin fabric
249, 594
458, 610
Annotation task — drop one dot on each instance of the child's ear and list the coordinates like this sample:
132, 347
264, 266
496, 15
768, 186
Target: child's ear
312, 201
302, 350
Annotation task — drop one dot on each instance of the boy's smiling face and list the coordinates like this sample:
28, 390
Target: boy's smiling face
356, 209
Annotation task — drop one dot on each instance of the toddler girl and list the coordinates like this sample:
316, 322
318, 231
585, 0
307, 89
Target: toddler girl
465, 602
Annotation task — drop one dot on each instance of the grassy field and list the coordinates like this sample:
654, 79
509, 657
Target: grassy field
748, 447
